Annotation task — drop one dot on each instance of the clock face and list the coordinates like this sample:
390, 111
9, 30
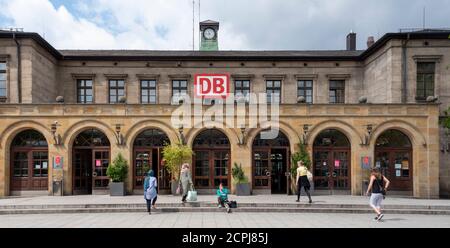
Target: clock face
209, 33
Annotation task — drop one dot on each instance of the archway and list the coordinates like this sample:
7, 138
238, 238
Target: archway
211, 161
91, 158
393, 155
270, 163
29, 162
331, 161
147, 154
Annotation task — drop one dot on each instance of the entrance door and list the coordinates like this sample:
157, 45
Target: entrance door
150, 159
211, 168
83, 171
278, 168
396, 166
90, 167
331, 169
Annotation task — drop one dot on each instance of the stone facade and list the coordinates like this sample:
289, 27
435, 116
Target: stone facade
378, 77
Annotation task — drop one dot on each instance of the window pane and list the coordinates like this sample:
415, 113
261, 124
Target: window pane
153, 99
89, 92
277, 84
2, 76
121, 92
88, 83
309, 84
112, 92
238, 84
112, 99
89, 99
176, 84
121, 83
144, 99
113, 83
145, 92
183, 84
246, 84
144, 84
153, 92
2, 66
269, 84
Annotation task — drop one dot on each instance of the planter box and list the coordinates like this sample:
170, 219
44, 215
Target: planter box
117, 189
243, 189
173, 187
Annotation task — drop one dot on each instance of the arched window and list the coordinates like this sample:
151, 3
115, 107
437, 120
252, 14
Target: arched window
90, 138
211, 138
152, 138
393, 138
331, 138
281, 140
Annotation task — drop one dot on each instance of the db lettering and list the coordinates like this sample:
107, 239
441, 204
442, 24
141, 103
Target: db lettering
212, 86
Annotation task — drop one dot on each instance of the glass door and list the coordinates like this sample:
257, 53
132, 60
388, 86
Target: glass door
101, 160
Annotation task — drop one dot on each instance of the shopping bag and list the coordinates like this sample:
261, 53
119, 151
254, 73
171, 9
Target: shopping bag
310, 176
233, 204
192, 195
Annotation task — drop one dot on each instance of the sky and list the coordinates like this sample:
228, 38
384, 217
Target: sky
244, 24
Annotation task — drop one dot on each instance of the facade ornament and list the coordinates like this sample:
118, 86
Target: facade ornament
305, 134
368, 135
56, 137
119, 136
181, 135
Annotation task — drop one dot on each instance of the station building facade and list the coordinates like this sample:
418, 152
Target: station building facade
87, 106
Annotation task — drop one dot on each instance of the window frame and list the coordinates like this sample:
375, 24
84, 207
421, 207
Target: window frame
78, 81
179, 89
241, 89
272, 90
116, 89
305, 89
148, 89
423, 74
335, 90
5, 72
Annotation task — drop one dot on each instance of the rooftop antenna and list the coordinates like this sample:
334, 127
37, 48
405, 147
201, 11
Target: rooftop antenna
424, 13
193, 25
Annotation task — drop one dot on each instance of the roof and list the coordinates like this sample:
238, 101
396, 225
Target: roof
211, 22
297, 55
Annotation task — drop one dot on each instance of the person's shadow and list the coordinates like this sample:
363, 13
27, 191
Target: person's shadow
392, 219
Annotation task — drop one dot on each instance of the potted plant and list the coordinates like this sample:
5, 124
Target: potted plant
240, 180
301, 155
117, 172
174, 156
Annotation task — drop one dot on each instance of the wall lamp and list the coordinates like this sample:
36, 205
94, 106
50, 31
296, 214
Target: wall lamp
56, 137
119, 136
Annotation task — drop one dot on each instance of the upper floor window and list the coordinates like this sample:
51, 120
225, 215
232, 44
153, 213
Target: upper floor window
85, 91
241, 88
305, 89
148, 91
179, 89
337, 91
425, 80
273, 91
116, 90
2, 79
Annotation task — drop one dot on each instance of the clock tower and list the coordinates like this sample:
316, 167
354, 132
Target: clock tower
209, 31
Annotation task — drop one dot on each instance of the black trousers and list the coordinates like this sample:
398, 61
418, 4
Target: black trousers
299, 190
151, 203
222, 202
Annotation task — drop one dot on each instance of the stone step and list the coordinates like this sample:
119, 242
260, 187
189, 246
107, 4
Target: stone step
312, 209
212, 205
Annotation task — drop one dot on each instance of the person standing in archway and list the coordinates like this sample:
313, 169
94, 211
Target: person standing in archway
185, 181
377, 180
302, 181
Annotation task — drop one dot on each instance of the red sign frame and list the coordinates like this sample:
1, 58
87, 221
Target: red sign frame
213, 81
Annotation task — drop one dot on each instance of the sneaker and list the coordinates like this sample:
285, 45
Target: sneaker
310, 201
219, 206
376, 218
228, 210
380, 217
297, 200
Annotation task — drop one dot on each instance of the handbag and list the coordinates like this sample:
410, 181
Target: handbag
233, 204
192, 195
310, 176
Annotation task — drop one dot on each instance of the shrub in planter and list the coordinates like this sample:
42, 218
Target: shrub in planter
241, 181
174, 156
117, 172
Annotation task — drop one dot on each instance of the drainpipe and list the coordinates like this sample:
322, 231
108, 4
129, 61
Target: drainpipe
19, 69
404, 70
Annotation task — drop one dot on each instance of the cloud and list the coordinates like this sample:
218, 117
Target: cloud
245, 24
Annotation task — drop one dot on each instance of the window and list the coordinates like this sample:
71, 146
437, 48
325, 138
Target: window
241, 88
273, 90
179, 88
116, 90
85, 92
148, 91
337, 91
2, 79
305, 89
425, 80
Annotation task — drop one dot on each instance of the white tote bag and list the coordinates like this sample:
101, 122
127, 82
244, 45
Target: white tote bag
192, 195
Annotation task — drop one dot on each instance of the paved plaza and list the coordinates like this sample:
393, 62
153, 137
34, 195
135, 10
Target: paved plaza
221, 220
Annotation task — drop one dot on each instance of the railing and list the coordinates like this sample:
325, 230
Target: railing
411, 30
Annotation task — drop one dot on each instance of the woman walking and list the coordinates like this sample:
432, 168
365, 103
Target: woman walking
150, 191
185, 181
377, 180
302, 181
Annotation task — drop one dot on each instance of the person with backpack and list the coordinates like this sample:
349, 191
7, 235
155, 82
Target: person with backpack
151, 190
377, 180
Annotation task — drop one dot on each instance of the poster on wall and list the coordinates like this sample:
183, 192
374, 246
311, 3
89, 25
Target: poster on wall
398, 173
44, 165
337, 163
365, 163
98, 163
398, 166
58, 162
405, 165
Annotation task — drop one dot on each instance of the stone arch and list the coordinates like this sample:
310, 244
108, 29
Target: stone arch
352, 134
73, 131
141, 126
229, 132
413, 133
7, 138
285, 128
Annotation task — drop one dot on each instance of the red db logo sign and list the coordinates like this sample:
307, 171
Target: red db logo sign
212, 85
